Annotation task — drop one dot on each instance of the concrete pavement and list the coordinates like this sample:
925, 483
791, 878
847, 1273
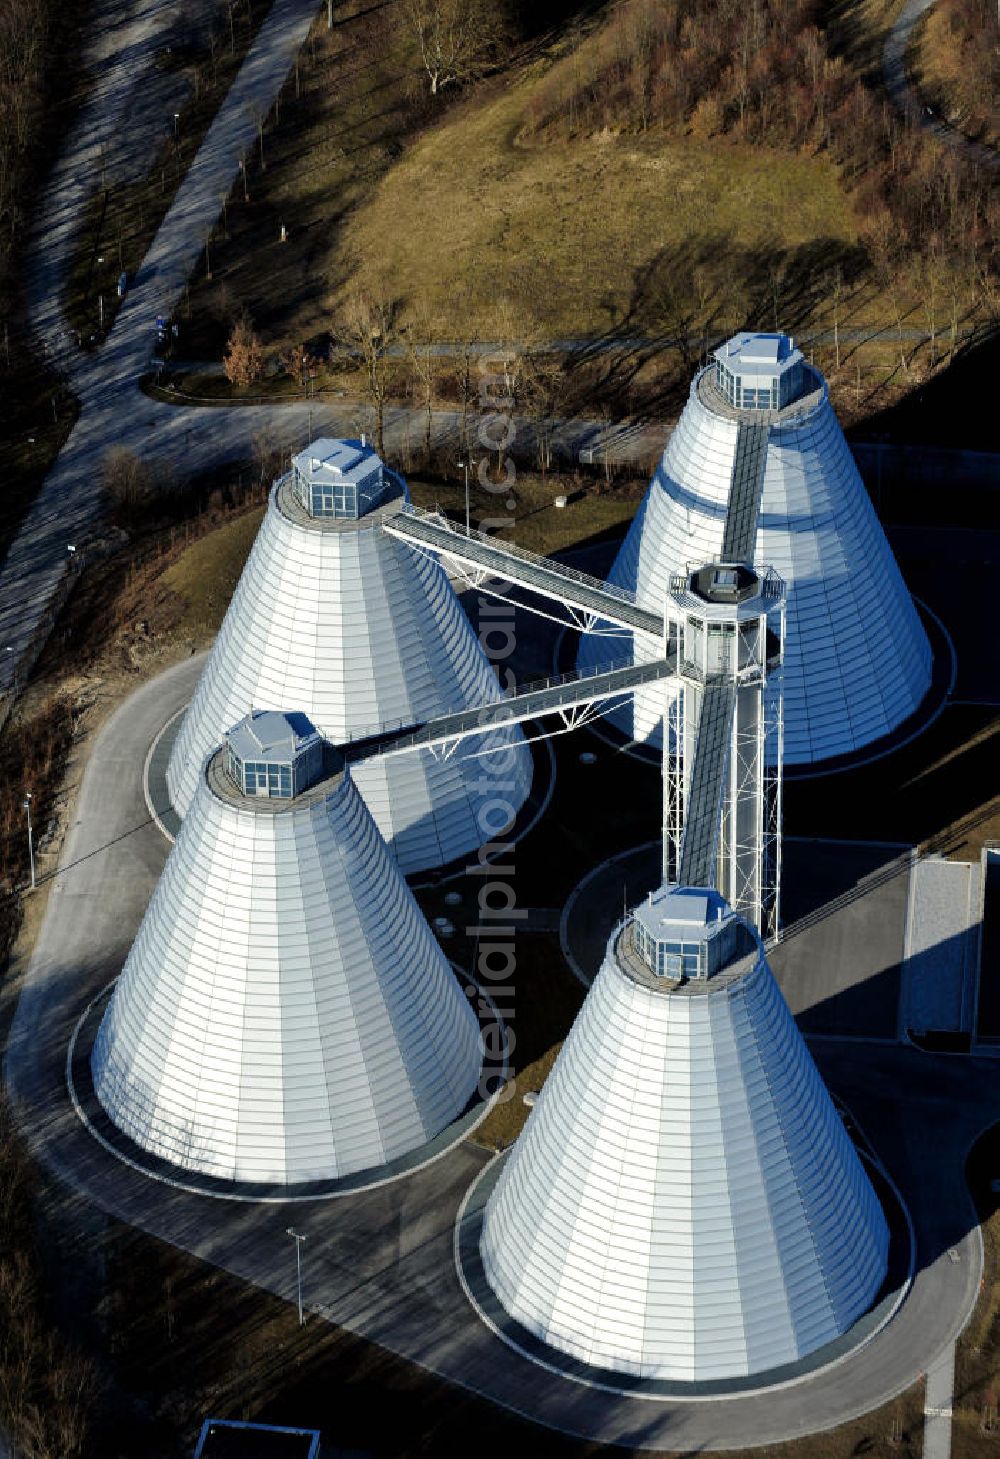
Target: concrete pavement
118, 56
381, 1263
937, 1405
940, 965
113, 410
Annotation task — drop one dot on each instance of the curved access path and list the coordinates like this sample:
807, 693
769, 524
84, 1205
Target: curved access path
904, 94
381, 1263
118, 56
114, 412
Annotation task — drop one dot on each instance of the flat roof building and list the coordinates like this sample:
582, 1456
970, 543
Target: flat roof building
759, 371
273, 754
344, 479
229, 1439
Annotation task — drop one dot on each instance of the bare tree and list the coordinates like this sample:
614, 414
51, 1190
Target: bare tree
368, 330
424, 365
465, 360
545, 391
884, 239
243, 361
504, 367
677, 313
127, 481
457, 38
266, 456
836, 292
934, 282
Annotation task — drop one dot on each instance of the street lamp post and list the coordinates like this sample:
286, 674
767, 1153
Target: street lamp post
177, 127
31, 839
465, 465
298, 1238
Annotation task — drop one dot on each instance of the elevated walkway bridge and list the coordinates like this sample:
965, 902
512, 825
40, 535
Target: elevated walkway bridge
560, 695
588, 600
590, 604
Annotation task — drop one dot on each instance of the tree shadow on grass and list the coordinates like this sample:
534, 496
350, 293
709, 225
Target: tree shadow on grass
688, 298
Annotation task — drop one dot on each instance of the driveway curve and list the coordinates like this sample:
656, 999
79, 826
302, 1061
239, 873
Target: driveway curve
903, 93
113, 410
381, 1264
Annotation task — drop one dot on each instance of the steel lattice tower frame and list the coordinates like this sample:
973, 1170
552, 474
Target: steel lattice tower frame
741, 789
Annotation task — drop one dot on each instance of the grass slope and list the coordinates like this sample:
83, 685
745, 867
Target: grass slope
571, 230
447, 208
205, 575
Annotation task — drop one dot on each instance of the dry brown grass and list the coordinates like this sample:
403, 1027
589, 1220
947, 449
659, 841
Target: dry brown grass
204, 576
466, 215
477, 233
568, 231
536, 523
32, 750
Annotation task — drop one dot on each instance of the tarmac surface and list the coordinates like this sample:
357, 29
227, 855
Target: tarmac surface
844, 923
381, 1263
904, 94
113, 410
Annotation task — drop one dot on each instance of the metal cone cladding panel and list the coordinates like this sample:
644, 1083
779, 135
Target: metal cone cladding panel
358, 631
857, 660
285, 1013
684, 1202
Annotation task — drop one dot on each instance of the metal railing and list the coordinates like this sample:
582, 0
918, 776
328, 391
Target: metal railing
509, 709
523, 554
533, 686
366, 521
704, 384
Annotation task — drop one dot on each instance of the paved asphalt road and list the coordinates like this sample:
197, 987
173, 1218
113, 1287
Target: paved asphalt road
938, 1405
907, 99
609, 344
380, 1263
113, 412
122, 40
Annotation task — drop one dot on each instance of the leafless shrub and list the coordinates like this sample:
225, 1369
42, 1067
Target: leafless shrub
127, 481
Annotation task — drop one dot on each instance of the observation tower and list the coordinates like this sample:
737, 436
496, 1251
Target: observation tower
285, 1013
363, 633
684, 1202
758, 471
